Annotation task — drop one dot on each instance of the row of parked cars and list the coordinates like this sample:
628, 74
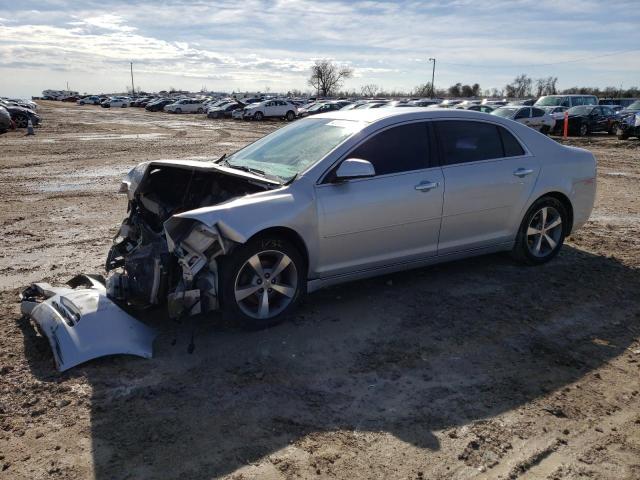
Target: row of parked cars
16, 113
586, 114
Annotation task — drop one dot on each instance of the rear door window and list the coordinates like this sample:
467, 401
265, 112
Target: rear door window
398, 149
465, 141
522, 113
536, 112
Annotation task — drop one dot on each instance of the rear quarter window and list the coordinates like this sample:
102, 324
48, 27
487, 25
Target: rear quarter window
512, 147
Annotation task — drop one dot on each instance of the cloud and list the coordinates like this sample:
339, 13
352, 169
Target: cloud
258, 43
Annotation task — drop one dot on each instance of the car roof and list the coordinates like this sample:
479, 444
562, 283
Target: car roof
371, 115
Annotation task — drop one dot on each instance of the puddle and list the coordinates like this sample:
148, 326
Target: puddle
118, 136
87, 179
621, 174
615, 219
62, 187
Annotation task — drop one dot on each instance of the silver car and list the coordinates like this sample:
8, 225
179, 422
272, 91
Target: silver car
338, 197
328, 199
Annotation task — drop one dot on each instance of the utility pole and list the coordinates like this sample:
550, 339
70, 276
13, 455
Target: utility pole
133, 89
433, 76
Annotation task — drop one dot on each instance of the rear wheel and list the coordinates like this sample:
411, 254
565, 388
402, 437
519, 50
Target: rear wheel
584, 130
542, 232
290, 116
545, 130
262, 281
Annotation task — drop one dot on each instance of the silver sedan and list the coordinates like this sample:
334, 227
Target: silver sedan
338, 197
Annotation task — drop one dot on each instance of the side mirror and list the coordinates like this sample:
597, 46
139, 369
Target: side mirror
353, 168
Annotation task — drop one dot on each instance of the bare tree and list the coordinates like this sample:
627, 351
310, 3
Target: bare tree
551, 86
369, 90
455, 90
466, 91
327, 77
520, 87
423, 90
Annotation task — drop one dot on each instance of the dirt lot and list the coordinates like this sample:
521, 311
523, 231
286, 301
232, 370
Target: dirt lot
475, 369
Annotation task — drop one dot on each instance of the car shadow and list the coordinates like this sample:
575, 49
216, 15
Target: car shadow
408, 354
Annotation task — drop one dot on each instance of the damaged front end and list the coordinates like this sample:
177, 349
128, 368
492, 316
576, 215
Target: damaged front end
146, 266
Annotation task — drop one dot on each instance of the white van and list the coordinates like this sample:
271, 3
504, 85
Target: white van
566, 100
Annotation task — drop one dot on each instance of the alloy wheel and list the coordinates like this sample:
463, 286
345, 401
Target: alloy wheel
544, 232
21, 121
266, 284
583, 129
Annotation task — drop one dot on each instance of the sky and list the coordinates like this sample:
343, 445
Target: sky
255, 45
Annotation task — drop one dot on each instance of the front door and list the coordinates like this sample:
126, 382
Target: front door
383, 220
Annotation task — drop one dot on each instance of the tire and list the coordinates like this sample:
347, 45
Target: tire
178, 110
290, 116
200, 110
622, 135
258, 116
242, 295
583, 131
613, 128
545, 130
534, 248
21, 121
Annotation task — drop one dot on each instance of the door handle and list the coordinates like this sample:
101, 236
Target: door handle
426, 186
523, 172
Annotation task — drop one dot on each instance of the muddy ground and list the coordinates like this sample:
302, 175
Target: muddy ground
476, 369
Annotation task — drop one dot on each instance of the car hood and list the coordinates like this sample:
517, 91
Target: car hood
135, 176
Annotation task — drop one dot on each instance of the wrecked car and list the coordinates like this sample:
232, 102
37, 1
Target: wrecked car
337, 197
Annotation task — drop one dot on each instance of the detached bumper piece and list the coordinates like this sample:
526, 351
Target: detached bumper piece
81, 323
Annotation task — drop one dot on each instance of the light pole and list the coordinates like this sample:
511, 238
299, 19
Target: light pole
433, 76
133, 89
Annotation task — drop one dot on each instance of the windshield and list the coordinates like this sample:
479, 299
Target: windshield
292, 149
634, 106
549, 101
580, 110
504, 112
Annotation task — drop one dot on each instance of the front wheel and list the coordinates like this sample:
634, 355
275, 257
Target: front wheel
200, 110
21, 121
258, 116
542, 232
178, 110
262, 281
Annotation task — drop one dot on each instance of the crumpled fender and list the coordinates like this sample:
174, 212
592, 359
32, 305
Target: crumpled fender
238, 219
82, 323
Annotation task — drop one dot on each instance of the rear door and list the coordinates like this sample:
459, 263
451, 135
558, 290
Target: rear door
523, 115
488, 176
390, 218
537, 118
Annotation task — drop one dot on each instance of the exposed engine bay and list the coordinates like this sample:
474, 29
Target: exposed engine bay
149, 268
